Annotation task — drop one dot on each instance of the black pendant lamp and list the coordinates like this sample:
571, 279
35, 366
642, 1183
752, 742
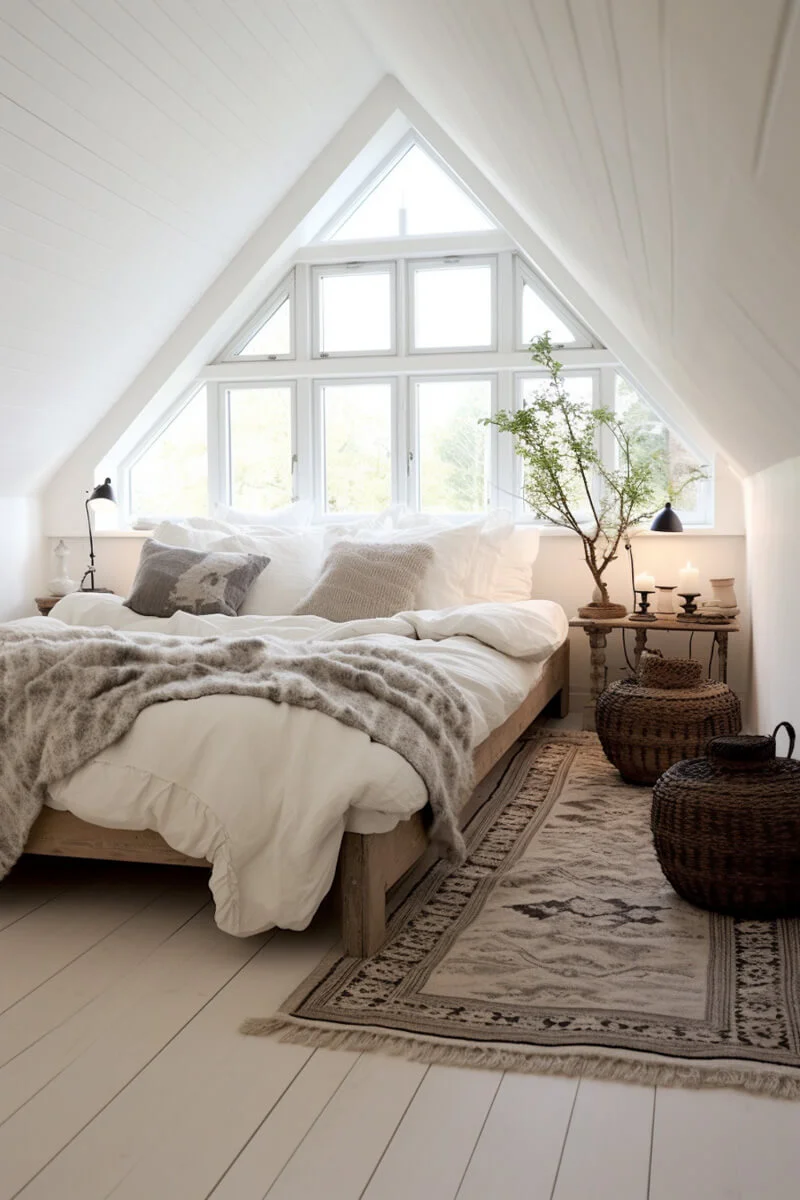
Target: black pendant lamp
666, 521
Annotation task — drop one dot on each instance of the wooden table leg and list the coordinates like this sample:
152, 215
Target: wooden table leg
721, 639
598, 672
640, 647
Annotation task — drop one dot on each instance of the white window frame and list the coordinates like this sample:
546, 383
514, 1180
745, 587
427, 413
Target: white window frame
445, 263
221, 425
519, 509
413, 474
376, 178
285, 291
702, 516
364, 267
320, 482
524, 273
307, 370
124, 490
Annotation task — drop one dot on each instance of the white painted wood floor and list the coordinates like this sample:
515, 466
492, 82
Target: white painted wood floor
122, 1074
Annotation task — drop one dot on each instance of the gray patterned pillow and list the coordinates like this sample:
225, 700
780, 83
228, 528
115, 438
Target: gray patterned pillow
172, 578
367, 579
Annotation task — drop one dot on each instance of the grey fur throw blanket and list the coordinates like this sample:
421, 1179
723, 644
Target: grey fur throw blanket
67, 695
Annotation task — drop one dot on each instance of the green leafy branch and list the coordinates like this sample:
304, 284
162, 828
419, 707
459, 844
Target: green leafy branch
567, 480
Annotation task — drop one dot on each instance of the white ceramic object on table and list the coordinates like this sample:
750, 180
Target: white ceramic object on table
722, 593
62, 585
665, 599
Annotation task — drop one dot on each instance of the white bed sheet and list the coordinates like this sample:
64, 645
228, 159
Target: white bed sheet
264, 790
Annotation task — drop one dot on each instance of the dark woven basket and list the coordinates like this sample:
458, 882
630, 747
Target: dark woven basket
726, 828
644, 728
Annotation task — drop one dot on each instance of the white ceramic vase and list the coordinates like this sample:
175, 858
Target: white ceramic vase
62, 585
722, 593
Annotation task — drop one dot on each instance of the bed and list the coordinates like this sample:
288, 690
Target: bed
228, 781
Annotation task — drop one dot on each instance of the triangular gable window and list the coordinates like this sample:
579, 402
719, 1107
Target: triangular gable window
415, 197
270, 333
274, 338
538, 312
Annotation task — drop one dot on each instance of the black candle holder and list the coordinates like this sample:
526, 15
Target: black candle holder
642, 613
689, 607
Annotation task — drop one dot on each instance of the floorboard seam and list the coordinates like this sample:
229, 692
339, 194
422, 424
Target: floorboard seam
136, 1075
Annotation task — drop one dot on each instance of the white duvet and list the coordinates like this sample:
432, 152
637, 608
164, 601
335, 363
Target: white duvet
265, 791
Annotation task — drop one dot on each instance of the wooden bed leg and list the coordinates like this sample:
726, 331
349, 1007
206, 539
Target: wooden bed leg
363, 895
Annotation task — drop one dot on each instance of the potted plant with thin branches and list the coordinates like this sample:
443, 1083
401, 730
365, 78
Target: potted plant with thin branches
569, 483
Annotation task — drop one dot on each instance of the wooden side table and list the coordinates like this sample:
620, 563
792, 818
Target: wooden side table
45, 603
597, 633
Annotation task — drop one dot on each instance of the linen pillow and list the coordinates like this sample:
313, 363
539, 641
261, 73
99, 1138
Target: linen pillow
442, 584
367, 579
170, 579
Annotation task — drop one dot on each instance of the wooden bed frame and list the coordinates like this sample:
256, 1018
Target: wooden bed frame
369, 864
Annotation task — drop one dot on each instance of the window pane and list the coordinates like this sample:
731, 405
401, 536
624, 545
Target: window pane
355, 312
672, 459
416, 197
538, 318
275, 335
261, 447
171, 478
358, 446
579, 388
453, 447
452, 306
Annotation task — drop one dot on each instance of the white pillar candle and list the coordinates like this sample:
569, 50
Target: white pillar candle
645, 583
689, 580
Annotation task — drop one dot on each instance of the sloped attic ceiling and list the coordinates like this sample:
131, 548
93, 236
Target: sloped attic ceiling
653, 144
141, 142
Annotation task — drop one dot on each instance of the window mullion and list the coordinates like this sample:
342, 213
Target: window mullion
412, 446
505, 487
302, 311
505, 303
603, 397
401, 443
218, 446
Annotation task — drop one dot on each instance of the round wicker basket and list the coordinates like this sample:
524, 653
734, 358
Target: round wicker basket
646, 727
726, 828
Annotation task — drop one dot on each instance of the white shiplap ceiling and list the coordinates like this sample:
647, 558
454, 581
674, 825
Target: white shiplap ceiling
654, 145
141, 142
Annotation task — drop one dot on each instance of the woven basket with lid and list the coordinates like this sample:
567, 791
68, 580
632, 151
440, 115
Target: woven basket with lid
666, 714
726, 828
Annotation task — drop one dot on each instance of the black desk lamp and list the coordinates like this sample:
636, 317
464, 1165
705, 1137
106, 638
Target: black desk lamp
666, 521
103, 491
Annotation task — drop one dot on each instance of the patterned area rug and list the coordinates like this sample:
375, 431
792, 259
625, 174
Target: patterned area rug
559, 947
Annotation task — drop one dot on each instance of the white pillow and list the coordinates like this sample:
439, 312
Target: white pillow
194, 533
295, 558
503, 566
443, 584
293, 515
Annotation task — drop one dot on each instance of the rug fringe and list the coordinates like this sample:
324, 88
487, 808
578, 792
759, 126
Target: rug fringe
764, 1081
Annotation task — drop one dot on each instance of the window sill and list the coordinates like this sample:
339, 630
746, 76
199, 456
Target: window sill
688, 531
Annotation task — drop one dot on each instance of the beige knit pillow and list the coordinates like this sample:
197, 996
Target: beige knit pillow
367, 579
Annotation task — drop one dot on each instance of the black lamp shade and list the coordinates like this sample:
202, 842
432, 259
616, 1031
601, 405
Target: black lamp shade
667, 521
103, 491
